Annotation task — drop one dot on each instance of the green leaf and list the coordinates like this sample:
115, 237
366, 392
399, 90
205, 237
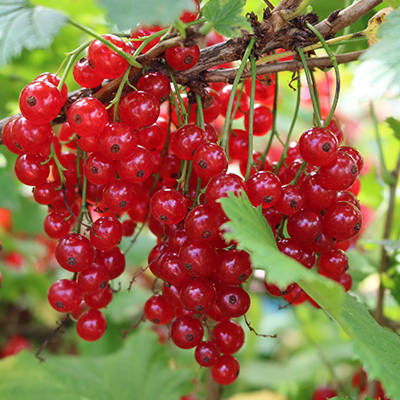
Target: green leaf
224, 16
378, 349
25, 26
127, 13
394, 125
392, 3
9, 197
28, 216
378, 73
138, 371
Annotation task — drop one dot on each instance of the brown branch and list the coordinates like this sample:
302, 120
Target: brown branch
255, 332
227, 75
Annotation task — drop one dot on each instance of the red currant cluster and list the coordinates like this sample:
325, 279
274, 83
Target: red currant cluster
127, 164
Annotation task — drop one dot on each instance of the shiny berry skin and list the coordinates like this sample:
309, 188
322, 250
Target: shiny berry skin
291, 201
29, 169
168, 206
262, 123
322, 243
106, 233
345, 280
113, 260
93, 279
305, 226
84, 74
224, 95
7, 138
117, 141
352, 151
64, 295
296, 297
345, 195
74, 252
186, 140
238, 145
263, 188
152, 137
98, 169
265, 88
91, 325
225, 370
158, 311
155, 83
30, 137
171, 294
119, 195
187, 332
182, 58
197, 258
278, 292
212, 106
128, 227
316, 195
198, 295
55, 225
170, 269
107, 63
324, 393
340, 174
209, 160
45, 193
189, 16
137, 167
177, 239
141, 30
233, 301
221, 185
233, 267
87, 116
88, 143
333, 264
342, 220
291, 248
229, 336
318, 146
206, 353
40, 102
139, 109
202, 223
54, 80
100, 299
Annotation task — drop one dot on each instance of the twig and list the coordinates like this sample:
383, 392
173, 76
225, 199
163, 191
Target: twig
133, 327
255, 332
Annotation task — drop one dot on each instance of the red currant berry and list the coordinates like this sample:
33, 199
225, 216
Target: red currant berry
56, 226
333, 264
170, 269
113, 260
262, 122
54, 80
209, 161
202, 223
233, 301
137, 167
119, 195
316, 195
182, 58
64, 295
291, 248
106, 233
198, 295
229, 336
225, 370
263, 188
324, 393
158, 311
353, 152
100, 299
233, 267
291, 200
93, 279
30, 170
206, 353
186, 140
155, 83
85, 75
187, 332
91, 325
168, 206
305, 226
99, 170
197, 258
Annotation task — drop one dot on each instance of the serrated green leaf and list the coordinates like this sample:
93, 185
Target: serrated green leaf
394, 125
224, 16
127, 13
25, 26
392, 3
138, 371
378, 73
378, 349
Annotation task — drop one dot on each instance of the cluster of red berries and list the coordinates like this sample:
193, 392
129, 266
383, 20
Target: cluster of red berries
134, 168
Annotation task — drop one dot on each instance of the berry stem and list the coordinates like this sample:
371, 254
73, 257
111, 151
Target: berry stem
188, 175
292, 125
317, 114
335, 67
298, 174
251, 115
131, 59
60, 167
227, 123
72, 57
84, 209
117, 97
200, 114
178, 94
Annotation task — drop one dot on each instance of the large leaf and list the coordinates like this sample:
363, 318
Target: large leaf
138, 371
224, 16
378, 74
25, 26
127, 13
392, 3
378, 349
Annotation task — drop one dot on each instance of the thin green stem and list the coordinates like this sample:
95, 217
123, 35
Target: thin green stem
292, 125
198, 190
110, 45
199, 110
72, 58
178, 94
298, 174
251, 115
237, 104
84, 209
335, 67
60, 167
182, 175
187, 178
227, 123
386, 175
117, 97
317, 114
315, 89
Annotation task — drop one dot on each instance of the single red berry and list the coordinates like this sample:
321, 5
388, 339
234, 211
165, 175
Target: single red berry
305, 226
106, 233
229, 336
100, 299
64, 295
31, 170
352, 151
85, 75
93, 279
197, 258
171, 294
137, 167
158, 311
113, 260
291, 248
168, 206
188, 15
206, 353
170, 269
233, 301
209, 160
202, 223
225, 370
186, 140
56, 226
155, 83
225, 93
6, 136
324, 393
98, 169
262, 122
333, 264
119, 195
45, 193
187, 332
316, 195
233, 267
53, 79
198, 295
141, 30
91, 325
182, 58
291, 200
263, 188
